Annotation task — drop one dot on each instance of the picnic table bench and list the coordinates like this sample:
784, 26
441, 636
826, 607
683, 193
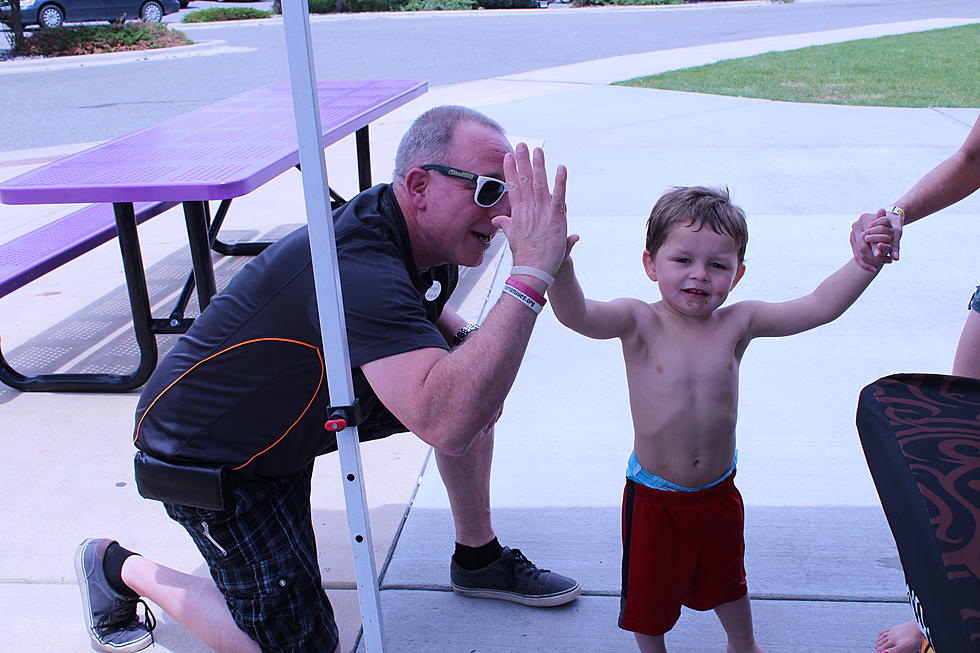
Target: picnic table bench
50, 246
34, 254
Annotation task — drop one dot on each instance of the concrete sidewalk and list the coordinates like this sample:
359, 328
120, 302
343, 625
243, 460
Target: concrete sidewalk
822, 568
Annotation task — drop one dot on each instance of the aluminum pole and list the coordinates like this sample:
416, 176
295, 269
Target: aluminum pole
331, 308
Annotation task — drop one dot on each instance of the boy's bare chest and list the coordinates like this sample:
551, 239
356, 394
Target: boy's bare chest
681, 356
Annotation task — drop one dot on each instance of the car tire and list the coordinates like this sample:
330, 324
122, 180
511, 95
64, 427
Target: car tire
50, 16
151, 12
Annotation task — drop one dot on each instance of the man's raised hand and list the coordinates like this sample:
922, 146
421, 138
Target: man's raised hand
537, 227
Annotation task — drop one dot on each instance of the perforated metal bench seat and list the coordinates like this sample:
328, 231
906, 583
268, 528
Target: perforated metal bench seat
38, 252
47, 248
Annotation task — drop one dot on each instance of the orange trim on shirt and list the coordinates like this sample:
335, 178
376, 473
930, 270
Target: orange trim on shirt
247, 342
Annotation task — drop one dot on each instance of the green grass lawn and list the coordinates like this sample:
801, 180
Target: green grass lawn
938, 68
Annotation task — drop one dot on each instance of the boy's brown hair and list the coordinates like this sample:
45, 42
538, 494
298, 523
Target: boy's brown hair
699, 206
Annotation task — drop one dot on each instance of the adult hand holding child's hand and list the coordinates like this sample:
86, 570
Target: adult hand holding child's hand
875, 239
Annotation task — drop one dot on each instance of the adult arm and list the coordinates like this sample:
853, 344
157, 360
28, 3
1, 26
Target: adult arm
947, 183
448, 398
826, 303
449, 324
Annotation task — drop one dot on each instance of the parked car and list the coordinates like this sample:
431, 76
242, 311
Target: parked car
55, 13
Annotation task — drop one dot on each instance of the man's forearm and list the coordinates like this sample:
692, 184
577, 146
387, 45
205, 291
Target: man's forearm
466, 388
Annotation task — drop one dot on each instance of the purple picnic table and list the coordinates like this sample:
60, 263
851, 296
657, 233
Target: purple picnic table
217, 152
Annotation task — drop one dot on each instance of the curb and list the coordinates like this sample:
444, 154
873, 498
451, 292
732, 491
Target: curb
37, 64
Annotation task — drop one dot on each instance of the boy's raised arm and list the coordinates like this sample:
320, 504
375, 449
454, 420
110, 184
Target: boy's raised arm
600, 320
826, 303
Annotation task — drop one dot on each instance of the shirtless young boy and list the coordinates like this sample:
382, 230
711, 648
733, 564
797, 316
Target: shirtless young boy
682, 515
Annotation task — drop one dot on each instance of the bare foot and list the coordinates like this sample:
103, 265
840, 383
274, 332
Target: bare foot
755, 648
903, 638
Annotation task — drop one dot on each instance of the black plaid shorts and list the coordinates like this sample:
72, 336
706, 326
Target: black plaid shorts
262, 555
974, 304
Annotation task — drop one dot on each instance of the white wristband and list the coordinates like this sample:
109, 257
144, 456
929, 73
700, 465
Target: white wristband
897, 210
524, 299
533, 272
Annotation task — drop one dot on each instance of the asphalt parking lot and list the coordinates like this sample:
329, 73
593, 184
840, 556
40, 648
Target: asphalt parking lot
266, 5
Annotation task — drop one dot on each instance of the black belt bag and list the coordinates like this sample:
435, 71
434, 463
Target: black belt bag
199, 486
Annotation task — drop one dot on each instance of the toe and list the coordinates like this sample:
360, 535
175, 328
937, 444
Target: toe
884, 643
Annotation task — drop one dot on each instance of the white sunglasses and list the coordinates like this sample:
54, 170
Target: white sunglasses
488, 189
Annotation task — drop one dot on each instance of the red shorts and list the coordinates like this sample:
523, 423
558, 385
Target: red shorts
679, 548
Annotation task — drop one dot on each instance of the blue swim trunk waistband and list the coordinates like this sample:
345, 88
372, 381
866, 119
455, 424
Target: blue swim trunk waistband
636, 473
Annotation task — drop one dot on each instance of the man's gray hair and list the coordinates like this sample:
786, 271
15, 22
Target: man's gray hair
429, 136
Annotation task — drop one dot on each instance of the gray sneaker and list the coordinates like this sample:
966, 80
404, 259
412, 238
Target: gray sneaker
111, 618
512, 577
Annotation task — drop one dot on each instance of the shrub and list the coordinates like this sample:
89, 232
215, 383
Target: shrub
438, 5
93, 39
508, 4
330, 6
215, 14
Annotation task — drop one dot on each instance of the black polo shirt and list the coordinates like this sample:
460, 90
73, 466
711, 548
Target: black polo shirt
245, 387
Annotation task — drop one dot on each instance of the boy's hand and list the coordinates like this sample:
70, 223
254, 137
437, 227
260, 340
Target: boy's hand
882, 236
569, 244
874, 240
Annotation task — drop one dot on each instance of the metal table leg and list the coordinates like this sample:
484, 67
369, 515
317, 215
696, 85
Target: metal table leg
139, 302
363, 158
195, 215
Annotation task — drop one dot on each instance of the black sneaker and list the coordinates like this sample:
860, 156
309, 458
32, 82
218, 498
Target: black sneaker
512, 577
111, 618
